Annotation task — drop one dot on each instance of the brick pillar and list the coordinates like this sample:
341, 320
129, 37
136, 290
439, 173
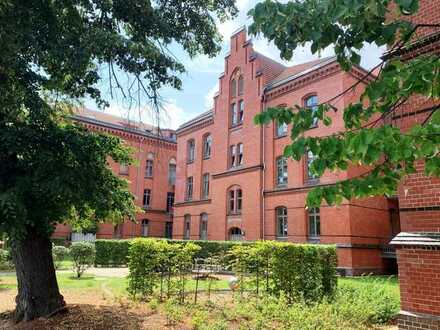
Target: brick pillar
418, 257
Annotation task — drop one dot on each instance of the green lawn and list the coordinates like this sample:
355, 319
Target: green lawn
118, 285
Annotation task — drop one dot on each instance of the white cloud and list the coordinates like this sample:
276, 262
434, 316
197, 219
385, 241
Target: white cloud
209, 97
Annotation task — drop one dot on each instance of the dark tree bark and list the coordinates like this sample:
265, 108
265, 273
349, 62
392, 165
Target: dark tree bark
38, 293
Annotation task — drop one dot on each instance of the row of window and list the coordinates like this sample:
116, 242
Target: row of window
236, 159
314, 223
203, 229
190, 187
311, 103
145, 228
237, 115
191, 148
147, 197
282, 173
149, 166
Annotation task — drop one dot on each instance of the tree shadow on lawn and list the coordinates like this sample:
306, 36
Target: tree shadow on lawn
82, 316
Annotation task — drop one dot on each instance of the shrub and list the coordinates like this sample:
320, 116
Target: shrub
111, 252
83, 256
115, 252
59, 254
300, 271
5, 260
153, 262
59, 241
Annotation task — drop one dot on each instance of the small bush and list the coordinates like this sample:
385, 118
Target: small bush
59, 254
112, 252
5, 260
83, 256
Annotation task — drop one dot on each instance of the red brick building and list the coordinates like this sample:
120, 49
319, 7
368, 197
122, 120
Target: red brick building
418, 246
233, 183
151, 180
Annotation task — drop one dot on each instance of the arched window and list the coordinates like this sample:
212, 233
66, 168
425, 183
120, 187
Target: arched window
233, 88
240, 85
204, 226
281, 221
207, 145
186, 226
235, 200
144, 228
314, 224
172, 172
149, 165
311, 102
282, 176
191, 150
235, 234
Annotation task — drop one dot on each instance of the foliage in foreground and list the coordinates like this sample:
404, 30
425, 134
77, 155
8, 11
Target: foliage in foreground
372, 137
83, 256
356, 305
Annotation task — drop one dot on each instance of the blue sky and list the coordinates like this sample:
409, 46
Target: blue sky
200, 82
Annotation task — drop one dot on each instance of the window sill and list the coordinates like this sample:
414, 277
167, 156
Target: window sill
314, 240
148, 177
234, 214
146, 208
281, 238
189, 162
281, 186
206, 157
311, 182
124, 174
280, 136
236, 127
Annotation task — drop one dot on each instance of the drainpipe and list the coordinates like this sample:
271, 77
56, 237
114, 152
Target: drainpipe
263, 231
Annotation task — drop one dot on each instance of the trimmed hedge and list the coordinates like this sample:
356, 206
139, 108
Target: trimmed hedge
112, 252
299, 271
157, 264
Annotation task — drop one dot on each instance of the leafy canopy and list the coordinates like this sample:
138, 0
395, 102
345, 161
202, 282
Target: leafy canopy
54, 53
369, 139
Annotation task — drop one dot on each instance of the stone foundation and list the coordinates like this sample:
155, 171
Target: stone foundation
417, 321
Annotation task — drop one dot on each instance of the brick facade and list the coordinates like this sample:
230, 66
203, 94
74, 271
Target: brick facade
359, 228
418, 246
148, 145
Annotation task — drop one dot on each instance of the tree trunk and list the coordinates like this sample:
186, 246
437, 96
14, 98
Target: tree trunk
38, 293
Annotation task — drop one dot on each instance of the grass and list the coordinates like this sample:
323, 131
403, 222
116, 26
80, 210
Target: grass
360, 303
